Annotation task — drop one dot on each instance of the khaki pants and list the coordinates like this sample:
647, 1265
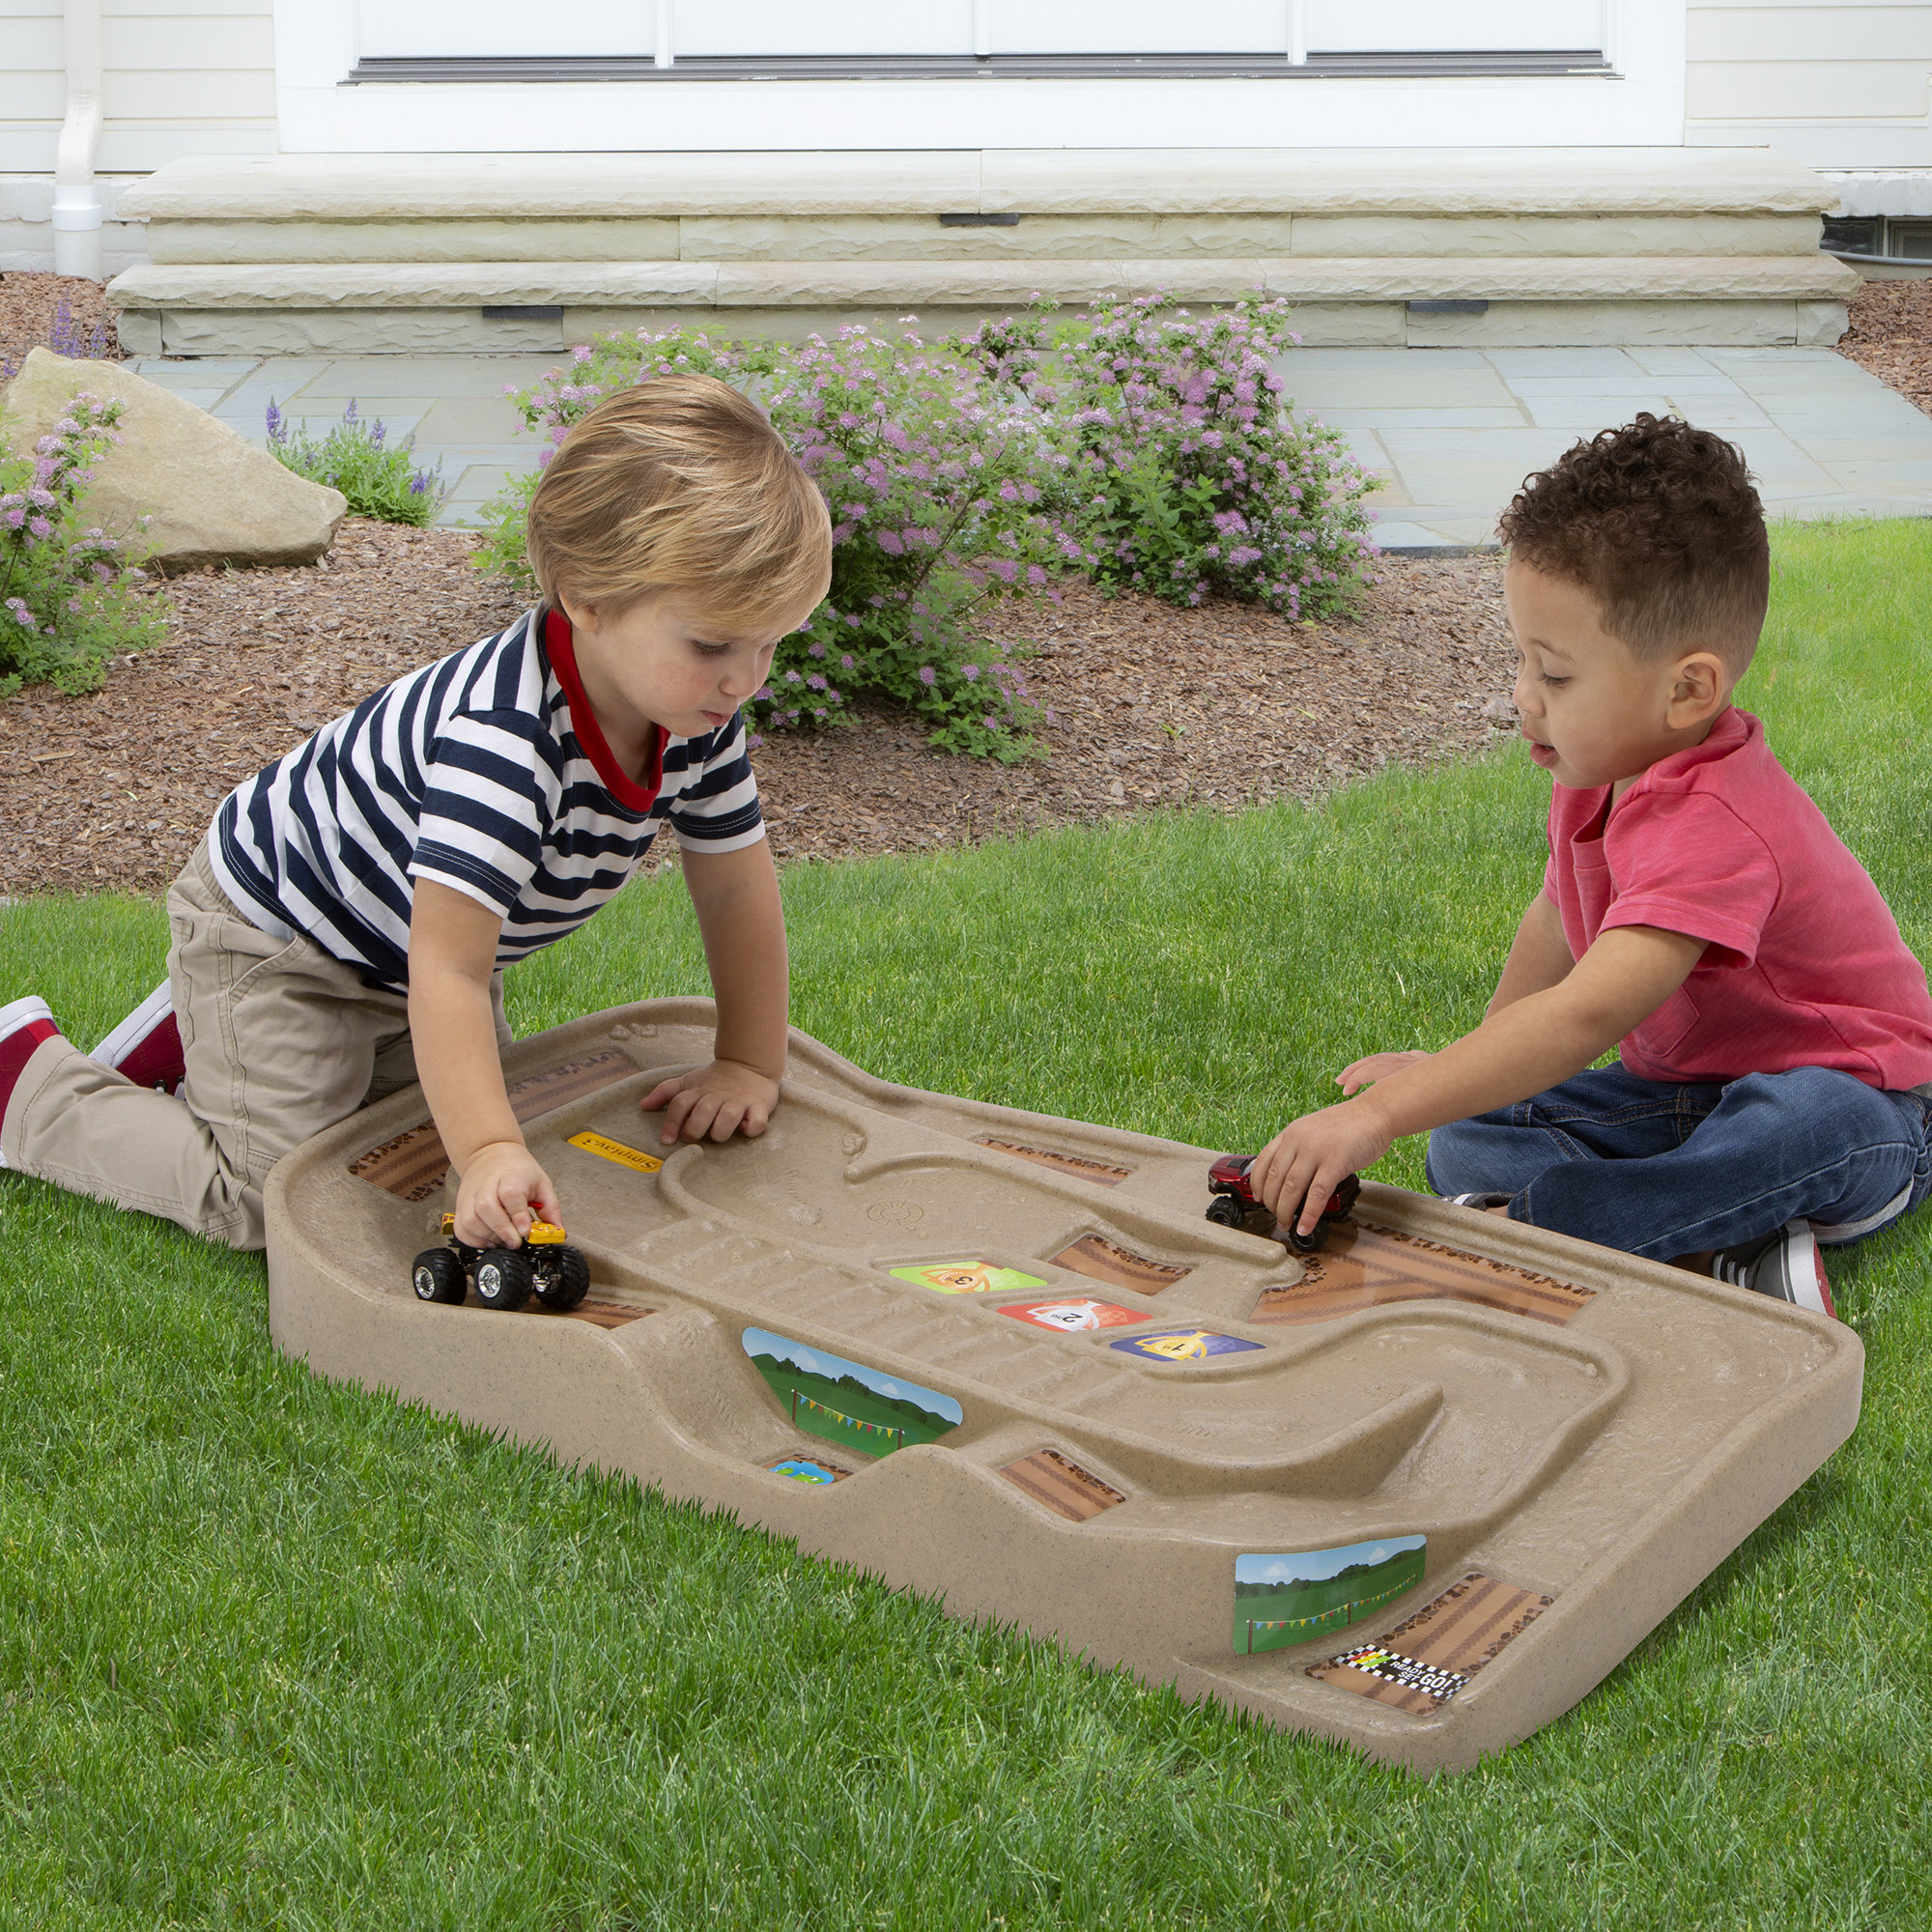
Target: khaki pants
282, 1040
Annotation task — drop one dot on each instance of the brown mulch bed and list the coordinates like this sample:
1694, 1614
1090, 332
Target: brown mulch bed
1891, 335
1219, 706
29, 301
1222, 706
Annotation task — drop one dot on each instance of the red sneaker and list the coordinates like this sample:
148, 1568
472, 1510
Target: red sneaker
24, 1024
146, 1047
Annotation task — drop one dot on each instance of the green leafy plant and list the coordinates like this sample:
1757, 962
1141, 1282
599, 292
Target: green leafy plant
1193, 476
1145, 445
378, 478
69, 600
939, 516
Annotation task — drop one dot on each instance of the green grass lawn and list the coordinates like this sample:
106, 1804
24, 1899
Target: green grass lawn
276, 1653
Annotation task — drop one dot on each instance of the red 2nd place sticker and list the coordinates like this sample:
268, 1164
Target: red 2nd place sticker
1073, 1317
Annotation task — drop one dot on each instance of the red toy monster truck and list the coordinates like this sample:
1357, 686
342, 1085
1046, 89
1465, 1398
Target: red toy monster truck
1235, 1206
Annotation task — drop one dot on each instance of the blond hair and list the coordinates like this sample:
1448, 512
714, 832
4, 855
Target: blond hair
679, 484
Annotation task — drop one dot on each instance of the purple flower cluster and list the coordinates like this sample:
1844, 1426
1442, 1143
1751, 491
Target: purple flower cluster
1193, 474
66, 591
941, 486
355, 456
1143, 444
66, 337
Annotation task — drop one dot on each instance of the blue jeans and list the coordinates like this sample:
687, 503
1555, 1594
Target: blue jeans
1662, 1170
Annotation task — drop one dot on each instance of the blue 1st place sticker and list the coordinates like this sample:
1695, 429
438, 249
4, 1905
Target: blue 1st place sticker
1184, 1345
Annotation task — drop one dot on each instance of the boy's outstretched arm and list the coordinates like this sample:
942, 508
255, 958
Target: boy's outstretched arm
739, 912
1531, 1041
1539, 958
452, 955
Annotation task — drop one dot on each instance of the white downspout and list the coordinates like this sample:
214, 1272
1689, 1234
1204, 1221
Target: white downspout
77, 198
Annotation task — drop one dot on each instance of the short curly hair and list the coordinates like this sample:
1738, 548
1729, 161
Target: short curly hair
1660, 523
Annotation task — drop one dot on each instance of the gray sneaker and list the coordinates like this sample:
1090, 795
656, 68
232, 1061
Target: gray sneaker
1785, 1265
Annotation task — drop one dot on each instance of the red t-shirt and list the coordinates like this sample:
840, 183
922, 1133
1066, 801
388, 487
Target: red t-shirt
1805, 965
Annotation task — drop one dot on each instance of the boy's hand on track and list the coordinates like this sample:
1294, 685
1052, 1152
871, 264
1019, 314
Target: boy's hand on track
504, 1191
715, 1101
1302, 1166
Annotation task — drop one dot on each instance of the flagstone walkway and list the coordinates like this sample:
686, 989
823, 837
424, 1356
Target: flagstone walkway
1451, 432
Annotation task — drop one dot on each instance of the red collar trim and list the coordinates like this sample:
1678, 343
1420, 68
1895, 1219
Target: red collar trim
561, 650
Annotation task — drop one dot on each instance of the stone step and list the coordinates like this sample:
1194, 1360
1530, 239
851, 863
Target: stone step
1812, 278
267, 254
340, 306
1569, 182
1200, 236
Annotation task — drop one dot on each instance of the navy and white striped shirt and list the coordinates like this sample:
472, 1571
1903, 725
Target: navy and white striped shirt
484, 772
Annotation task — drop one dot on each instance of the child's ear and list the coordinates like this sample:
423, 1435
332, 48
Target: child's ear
1700, 689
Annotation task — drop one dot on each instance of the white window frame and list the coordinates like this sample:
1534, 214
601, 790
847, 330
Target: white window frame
1640, 103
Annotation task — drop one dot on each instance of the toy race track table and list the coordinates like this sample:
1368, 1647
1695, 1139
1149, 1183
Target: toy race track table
1419, 1493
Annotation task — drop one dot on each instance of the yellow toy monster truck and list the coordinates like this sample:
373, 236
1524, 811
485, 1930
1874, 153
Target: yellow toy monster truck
544, 1265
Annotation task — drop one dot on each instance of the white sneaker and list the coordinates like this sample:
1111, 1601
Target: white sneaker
1785, 1265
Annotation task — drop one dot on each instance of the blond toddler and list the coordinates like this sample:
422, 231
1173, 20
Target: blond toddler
344, 927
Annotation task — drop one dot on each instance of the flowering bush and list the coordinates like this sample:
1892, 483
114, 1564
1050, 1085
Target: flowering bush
378, 480
943, 498
67, 601
1193, 477
1143, 444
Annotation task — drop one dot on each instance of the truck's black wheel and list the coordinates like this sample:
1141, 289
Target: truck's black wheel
1306, 1245
504, 1278
437, 1275
1227, 1212
569, 1282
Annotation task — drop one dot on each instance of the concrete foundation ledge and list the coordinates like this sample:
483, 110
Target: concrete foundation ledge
1123, 181
27, 228
702, 285
418, 332
931, 237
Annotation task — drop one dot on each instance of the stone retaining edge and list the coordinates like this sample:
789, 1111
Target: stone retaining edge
841, 284
1259, 181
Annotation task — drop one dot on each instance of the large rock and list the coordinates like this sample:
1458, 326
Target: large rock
209, 495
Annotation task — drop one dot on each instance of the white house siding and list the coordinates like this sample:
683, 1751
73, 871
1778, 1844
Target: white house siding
1831, 85
196, 79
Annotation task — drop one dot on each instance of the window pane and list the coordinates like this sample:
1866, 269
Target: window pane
1138, 27
1476, 26
406, 29
824, 27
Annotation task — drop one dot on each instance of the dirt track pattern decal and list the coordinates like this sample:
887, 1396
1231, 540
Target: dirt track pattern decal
1062, 1487
1428, 1658
1102, 1260
413, 1165
1099, 1172
1368, 1268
